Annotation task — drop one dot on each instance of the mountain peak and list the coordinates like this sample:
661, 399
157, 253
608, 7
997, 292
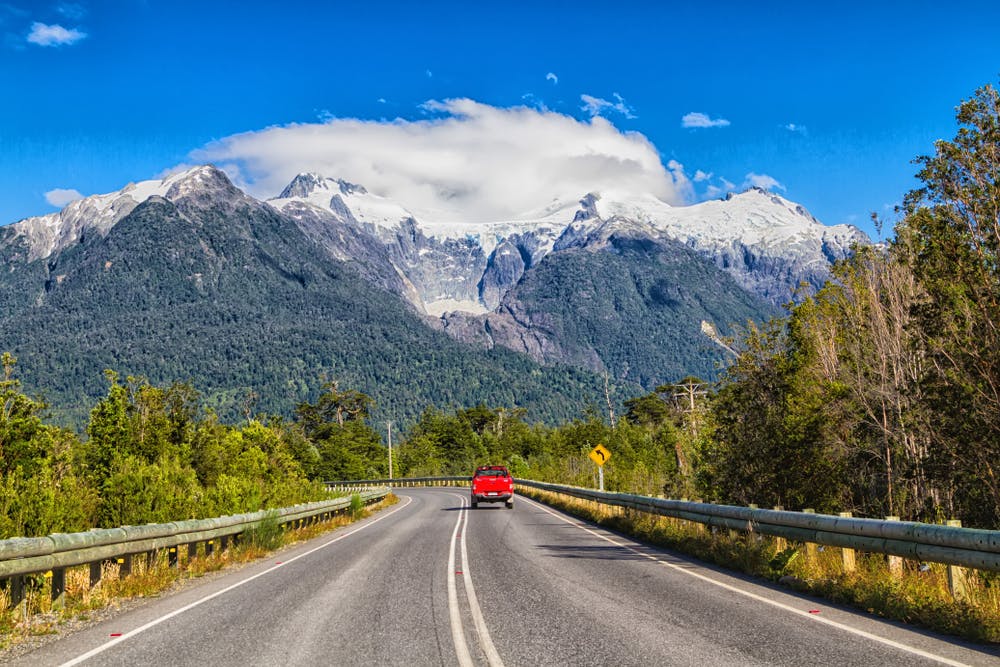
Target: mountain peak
588, 207
303, 185
306, 183
201, 179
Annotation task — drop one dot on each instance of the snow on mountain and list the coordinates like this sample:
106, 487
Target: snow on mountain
770, 245
344, 200
48, 234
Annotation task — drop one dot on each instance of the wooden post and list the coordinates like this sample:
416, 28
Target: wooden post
756, 536
895, 562
780, 543
124, 566
58, 588
172, 556
847, 554
956, 574
810, 546
96, 572
17, 597
223, 542
209, 547
192, 551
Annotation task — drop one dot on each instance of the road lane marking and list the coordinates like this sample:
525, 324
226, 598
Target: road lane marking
485, 642
457, 632
774, 603
142, 628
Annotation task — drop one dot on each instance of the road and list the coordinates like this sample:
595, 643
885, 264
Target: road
431, 582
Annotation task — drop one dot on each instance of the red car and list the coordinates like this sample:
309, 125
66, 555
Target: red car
492, 484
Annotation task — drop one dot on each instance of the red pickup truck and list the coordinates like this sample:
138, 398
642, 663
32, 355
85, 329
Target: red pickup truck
492, 484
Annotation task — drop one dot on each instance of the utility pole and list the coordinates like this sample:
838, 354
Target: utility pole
688, 390
389, 425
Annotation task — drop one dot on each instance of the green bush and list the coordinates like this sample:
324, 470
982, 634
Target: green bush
267, 533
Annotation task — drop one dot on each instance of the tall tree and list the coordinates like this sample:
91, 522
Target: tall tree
952, 232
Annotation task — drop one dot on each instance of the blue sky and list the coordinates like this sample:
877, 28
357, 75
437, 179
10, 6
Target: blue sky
827, 103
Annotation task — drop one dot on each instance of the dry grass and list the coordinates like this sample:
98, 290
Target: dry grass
918, 595
149, 578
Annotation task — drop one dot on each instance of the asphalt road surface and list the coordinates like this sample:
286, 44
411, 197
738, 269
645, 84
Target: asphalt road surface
431, 582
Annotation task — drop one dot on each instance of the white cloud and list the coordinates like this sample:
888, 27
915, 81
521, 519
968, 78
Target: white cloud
381, 100
53, 35
60, 197
470, 162
700, 176
698, 119
762, 181
595, 106
430, 74
552, 77
797, 129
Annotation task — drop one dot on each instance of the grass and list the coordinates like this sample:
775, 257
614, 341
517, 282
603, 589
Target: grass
918, 595
36, 615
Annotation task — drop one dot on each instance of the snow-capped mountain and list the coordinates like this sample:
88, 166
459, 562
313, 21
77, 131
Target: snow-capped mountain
767, 244
46, 235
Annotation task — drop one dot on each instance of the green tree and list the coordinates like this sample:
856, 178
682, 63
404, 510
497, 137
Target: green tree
951, 230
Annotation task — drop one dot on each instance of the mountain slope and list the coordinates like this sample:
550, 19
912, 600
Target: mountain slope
210, 285
630, 306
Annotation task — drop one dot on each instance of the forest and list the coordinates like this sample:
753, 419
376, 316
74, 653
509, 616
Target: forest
878, 394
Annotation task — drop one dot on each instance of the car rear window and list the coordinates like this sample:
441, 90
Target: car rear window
491, 473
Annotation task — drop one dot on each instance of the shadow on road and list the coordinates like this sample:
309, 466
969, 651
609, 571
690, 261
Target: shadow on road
497, 506
599, 552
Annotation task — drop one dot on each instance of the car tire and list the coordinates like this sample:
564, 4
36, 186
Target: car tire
475, 504
510, 504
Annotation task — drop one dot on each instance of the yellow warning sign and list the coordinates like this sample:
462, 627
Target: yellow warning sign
599, 455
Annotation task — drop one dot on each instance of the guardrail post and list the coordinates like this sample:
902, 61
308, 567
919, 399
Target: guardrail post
846, 553
172, 557
17, 598
810, 546
956, 574
223, 542
58, 588
780, 543
192, 551
124, 566
756, 535
895, 562
96, 572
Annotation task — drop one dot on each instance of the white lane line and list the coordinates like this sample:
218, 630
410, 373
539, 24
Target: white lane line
477, 613
142, 628
457, 632
804, 614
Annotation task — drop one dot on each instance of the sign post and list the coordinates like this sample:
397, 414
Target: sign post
600, 456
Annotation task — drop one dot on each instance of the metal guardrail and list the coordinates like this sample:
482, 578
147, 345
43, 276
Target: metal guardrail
950, 545
54, 553
399, 481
